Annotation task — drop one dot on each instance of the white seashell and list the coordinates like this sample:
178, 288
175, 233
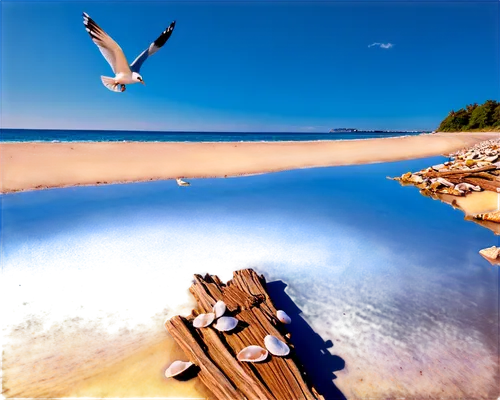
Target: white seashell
283, 317
203, 320
463, 186
219, 309
177, 367
225, 324
252, 354
180, 182
275, 346
438, 167
444, 182
491, 252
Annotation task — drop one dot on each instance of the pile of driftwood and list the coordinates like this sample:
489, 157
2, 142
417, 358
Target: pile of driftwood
469, 170
472, 169
215, 353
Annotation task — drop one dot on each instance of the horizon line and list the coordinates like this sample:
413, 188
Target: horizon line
208, 132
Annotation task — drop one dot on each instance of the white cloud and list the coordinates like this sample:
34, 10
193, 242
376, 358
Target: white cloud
382, 45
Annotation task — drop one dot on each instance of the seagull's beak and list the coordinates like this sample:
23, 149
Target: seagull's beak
143, 82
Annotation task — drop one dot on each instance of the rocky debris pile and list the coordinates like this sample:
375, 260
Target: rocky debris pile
473, 169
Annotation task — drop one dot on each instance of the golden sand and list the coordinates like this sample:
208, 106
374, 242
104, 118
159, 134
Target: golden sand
479, 202
26, 166
78, 358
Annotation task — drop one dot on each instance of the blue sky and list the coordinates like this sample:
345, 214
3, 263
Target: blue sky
250, 66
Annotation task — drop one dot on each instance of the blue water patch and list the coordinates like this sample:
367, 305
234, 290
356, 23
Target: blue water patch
392, 278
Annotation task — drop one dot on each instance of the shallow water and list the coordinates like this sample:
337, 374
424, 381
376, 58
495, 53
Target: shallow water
393, 279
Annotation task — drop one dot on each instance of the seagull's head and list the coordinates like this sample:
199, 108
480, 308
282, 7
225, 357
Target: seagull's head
137, 78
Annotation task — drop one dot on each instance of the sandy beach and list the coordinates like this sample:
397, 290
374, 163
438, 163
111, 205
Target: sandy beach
27, 166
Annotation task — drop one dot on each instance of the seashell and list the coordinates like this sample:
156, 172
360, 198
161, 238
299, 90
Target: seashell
275, 346
491, 158
225, 324
445, 182
437, 167
203, 320
219, 309
177, 367
283, 317
180, 182
492, 252
252, 354
463, 186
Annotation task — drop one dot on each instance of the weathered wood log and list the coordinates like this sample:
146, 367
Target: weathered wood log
484, 183
483, 175
465, 172
215, 352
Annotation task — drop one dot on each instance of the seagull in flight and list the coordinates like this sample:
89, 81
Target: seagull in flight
112, 52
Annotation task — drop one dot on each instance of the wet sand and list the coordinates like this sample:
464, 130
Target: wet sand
27, 166
78, 362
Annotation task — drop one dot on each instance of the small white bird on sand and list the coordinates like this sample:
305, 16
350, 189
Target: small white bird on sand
124, 73
180, 182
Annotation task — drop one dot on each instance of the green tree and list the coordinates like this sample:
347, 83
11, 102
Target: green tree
473, 116
482, 116
496, 116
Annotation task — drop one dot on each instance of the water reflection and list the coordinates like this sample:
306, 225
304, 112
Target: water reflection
392, 278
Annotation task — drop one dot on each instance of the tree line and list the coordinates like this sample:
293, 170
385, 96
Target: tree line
473, 117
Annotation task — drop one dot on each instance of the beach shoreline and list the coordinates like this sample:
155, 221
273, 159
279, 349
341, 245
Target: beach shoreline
38, 165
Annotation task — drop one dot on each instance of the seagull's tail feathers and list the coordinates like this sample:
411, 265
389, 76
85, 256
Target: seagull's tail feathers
110, 83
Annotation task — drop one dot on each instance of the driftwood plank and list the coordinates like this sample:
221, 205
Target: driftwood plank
463, 172
180, 331
215, 352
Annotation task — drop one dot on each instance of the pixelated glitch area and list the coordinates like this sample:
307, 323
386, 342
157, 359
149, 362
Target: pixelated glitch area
110, 288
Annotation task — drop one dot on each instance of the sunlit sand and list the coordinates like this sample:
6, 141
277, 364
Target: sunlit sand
28, 166
72, 361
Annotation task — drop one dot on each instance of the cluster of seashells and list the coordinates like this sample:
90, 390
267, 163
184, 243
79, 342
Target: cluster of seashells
487, 151
252, 353
481, 155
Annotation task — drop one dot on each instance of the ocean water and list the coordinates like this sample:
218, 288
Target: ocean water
31, 135
388, 294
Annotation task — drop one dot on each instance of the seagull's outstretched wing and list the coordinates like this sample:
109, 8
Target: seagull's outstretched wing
153, 48
108, 47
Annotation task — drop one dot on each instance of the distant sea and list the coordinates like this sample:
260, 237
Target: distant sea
36, 135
